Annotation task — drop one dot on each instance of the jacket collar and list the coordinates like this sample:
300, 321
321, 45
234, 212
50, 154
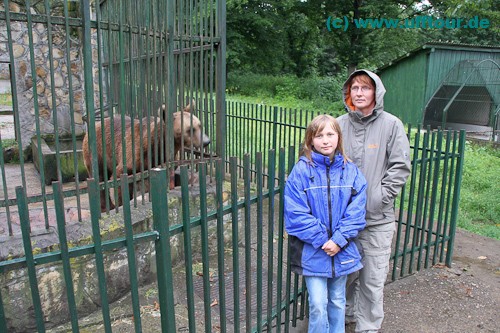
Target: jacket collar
320, 160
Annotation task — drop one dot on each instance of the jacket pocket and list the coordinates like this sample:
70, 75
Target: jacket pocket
347, 259
374, 203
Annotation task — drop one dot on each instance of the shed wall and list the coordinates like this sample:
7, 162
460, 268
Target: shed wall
405, 85
412, 82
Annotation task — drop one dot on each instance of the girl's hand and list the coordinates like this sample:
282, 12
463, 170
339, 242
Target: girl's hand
330, 248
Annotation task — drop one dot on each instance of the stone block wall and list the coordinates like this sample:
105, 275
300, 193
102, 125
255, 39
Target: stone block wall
37, 87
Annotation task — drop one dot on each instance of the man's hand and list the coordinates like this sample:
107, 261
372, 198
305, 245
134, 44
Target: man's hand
330, 248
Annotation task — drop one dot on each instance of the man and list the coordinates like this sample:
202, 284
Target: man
376, 142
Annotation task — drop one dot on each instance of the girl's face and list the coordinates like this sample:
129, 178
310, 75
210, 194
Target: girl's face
325, 141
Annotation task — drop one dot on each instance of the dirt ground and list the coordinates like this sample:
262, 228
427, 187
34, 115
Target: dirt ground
461, 298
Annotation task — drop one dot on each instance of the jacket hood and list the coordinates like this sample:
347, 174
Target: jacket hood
379, 91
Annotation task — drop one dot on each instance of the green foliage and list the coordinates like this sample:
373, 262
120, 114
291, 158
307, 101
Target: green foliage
6, 99
291, 37
479, 197
313, 93
10, 150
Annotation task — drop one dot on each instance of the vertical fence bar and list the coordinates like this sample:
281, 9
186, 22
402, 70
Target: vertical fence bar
275, 129
3, 320
53, 92
95, 211
63, 244
110, 104
186, 224
219, 179
260, 239
420, 198
270, 236
427, 174
204, 245
221, 79
281, 232
456, 197
400, 224
291, 163
248, 241
71, 104
28, 253
5, 189
89, 84
440, 236
36, 109
233, 165
409, 216
131, 99
171, 87
132, 268
449, 200
121, 84
434, 194
15, 109
162, 248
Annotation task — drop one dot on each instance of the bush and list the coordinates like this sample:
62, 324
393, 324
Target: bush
285, 86
321, 94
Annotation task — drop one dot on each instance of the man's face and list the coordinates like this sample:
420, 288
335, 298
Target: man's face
363, 96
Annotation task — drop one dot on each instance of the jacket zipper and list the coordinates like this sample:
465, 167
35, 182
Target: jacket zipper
330, 233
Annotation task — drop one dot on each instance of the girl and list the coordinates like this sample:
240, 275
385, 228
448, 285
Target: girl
324, 211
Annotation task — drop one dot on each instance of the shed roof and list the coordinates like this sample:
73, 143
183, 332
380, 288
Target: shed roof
443, 46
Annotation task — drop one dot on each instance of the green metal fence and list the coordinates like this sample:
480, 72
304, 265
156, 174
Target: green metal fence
74, 63
244, 283
246, 272
124, 59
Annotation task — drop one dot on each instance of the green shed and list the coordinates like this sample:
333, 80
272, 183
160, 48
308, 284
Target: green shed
448, 85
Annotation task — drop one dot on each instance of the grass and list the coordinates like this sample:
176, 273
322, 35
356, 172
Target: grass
6, 99
336, 108
479, 209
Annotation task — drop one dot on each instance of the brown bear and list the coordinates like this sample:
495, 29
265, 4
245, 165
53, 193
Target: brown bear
187, 133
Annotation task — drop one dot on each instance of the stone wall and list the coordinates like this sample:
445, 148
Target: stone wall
36, 87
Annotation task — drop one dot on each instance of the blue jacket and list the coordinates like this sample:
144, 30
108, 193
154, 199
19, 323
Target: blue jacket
324, 200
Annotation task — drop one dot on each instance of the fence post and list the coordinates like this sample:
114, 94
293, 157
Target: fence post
24, 220
162, 248
95, 213
89, 84
456, 197
221, 80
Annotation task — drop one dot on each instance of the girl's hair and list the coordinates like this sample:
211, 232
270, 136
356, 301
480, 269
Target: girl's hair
362, 79
317, 125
